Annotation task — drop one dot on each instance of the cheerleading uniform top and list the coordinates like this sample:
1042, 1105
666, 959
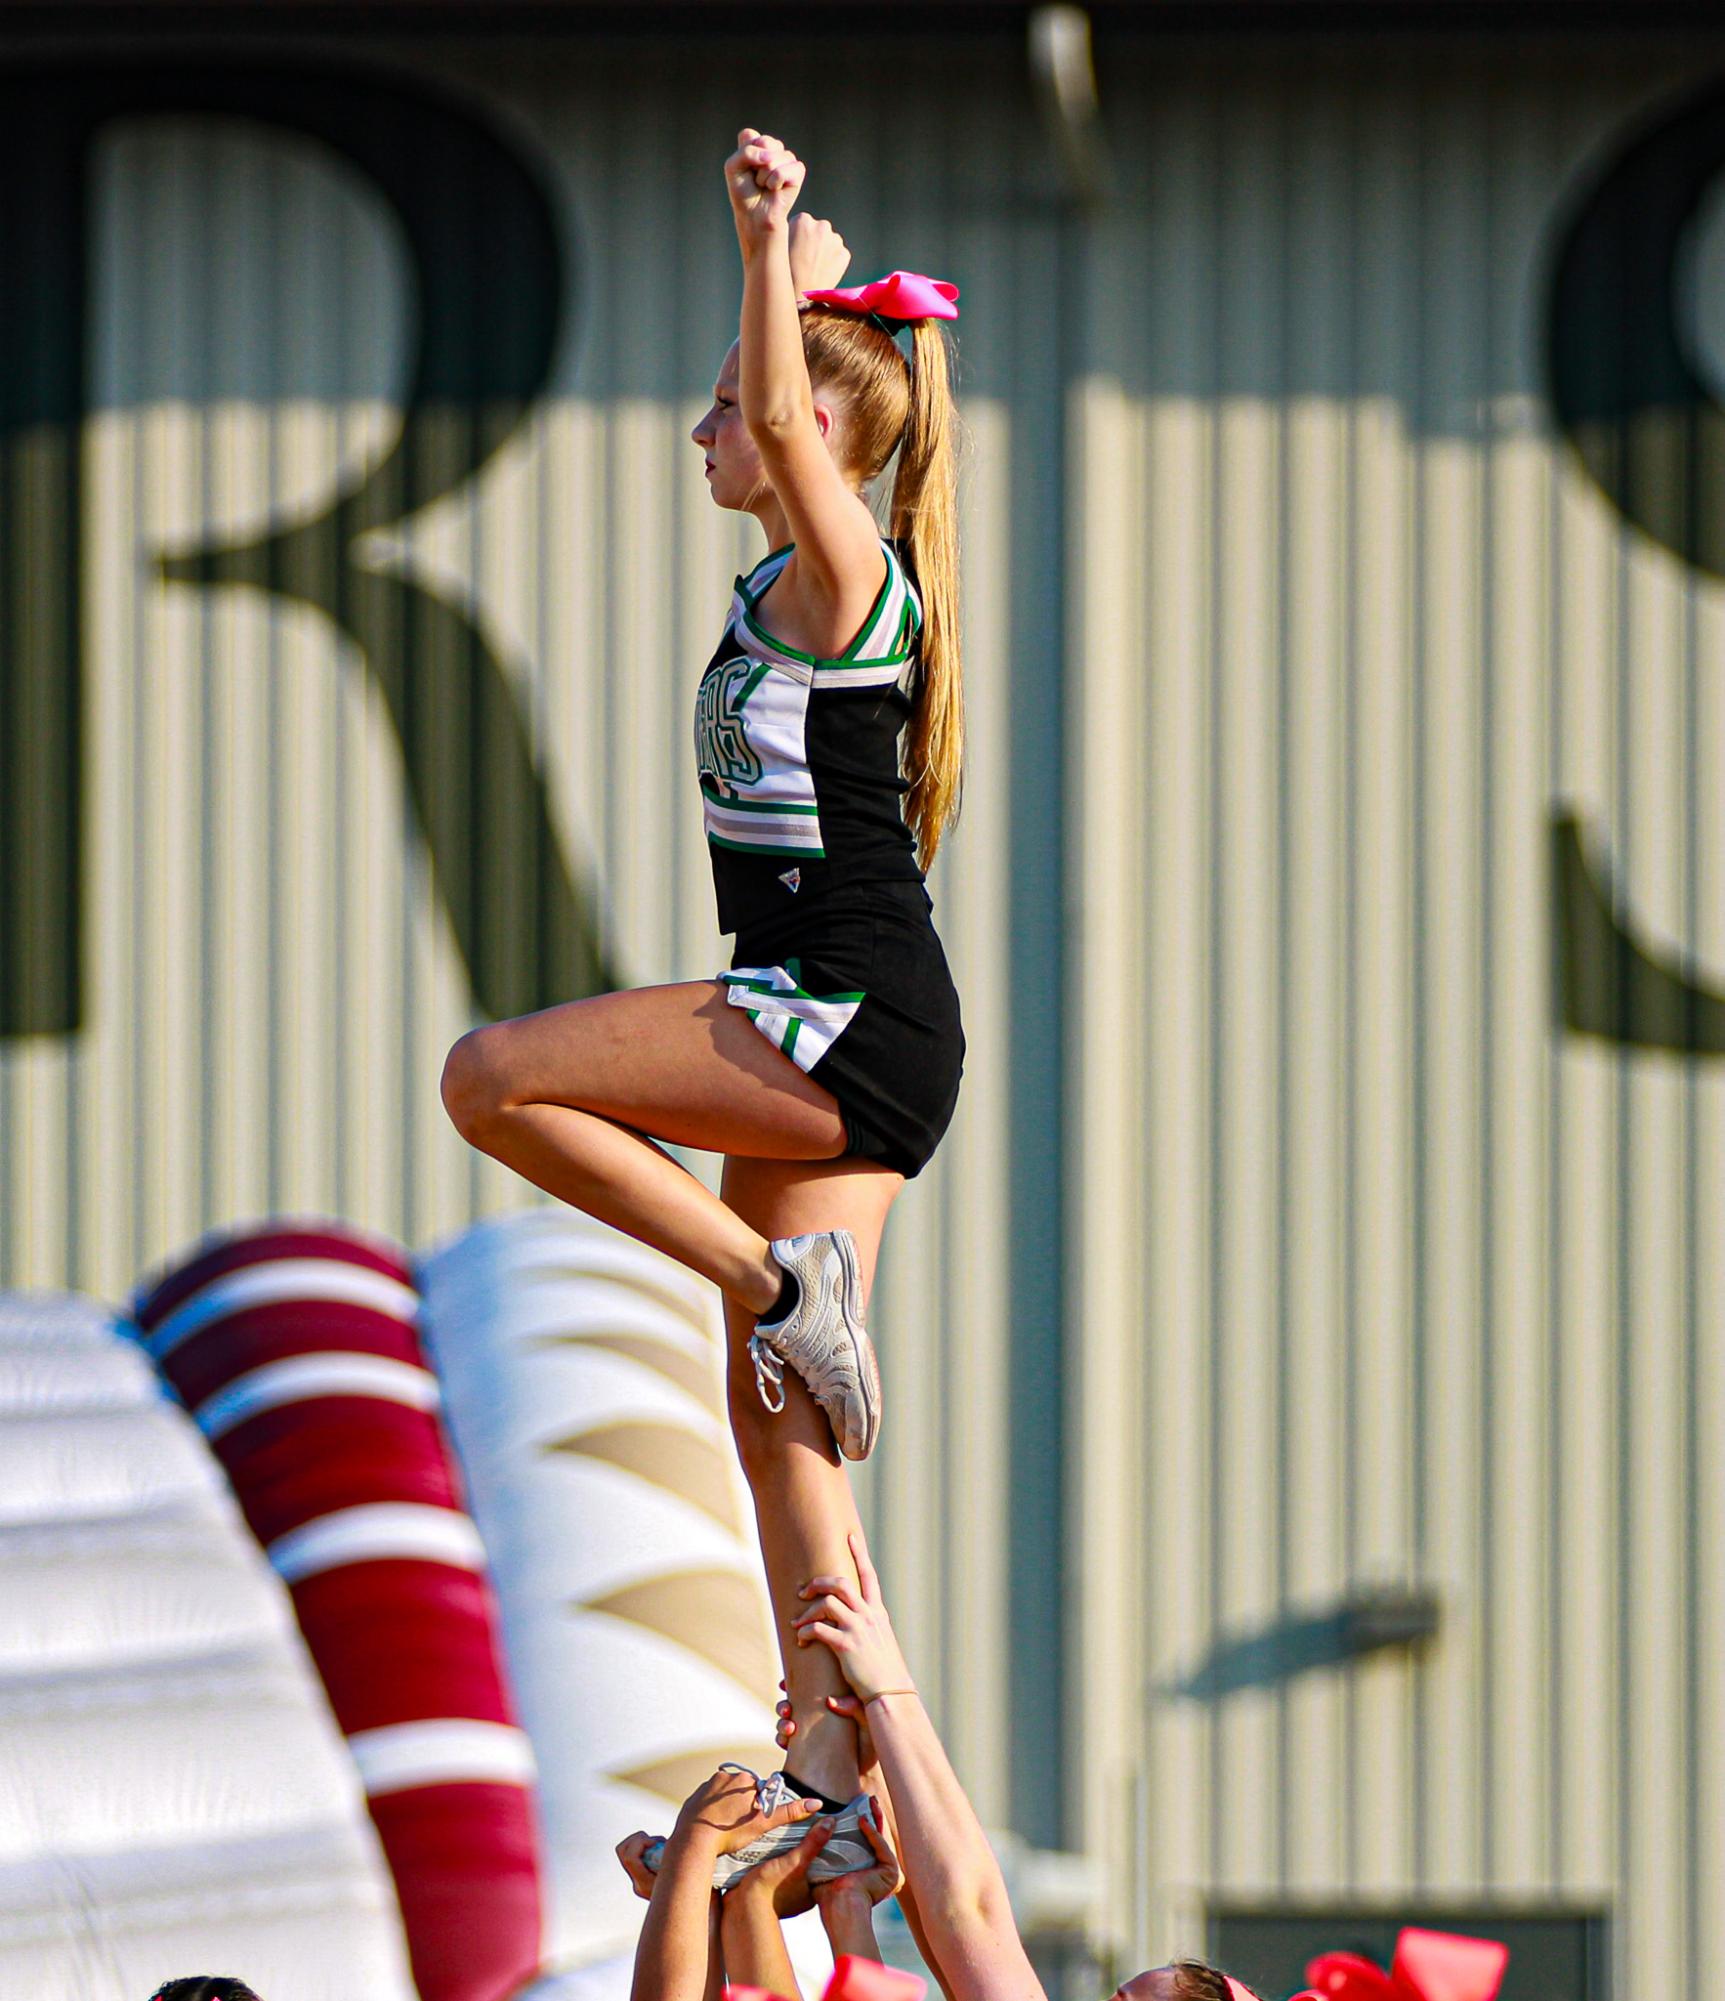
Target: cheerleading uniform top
798, 756
836, 963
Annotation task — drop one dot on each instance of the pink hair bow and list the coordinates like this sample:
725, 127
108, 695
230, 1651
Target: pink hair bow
900, 295
1428, 1966
853, 1980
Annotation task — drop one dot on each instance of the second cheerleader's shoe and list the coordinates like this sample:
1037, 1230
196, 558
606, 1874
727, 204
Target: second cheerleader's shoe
847, 1846
823, 1338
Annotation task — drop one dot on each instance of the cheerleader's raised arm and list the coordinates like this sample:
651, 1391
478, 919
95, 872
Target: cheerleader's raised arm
835, 570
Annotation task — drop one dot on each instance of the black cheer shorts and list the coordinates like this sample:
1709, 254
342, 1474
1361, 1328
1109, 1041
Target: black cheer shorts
857, 993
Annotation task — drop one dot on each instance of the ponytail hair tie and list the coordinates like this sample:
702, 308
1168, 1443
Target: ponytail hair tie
894, 301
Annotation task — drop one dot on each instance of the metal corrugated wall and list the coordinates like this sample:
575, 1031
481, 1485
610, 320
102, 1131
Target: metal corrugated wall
1292, 631
310, 862
1384, 1275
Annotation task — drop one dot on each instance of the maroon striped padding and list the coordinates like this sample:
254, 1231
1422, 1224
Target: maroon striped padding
397, 1639
237, 1249
366, 1452
437, 1859
391, 1638
271, 1333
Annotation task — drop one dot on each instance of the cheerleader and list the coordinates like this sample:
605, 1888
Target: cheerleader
824, 1062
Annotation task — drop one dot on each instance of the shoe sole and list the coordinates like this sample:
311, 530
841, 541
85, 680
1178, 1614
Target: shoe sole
862, 1349
841, 1855
730, 1869
847, 1850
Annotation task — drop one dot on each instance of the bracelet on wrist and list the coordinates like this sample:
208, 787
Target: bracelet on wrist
881, 1694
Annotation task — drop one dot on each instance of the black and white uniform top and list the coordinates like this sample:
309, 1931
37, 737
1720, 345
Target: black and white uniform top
836, 962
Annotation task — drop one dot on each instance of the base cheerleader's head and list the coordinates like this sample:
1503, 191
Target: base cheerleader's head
1428, 1966
1185, 1980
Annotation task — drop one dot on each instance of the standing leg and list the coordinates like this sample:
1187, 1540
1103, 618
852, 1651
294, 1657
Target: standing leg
803, 1501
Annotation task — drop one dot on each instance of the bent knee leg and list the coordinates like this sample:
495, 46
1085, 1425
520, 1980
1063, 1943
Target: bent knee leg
475, 1082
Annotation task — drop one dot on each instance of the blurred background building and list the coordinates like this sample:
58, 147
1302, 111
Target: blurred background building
1302, 1489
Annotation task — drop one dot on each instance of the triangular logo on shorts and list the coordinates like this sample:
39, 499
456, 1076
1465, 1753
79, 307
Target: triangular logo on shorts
792, 879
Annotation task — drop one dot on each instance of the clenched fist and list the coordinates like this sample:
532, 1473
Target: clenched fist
764, 178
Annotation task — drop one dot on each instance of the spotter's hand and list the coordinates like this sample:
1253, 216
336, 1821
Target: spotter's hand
848, 1617
877, 1880
819, 258
723, 1811
641, 1878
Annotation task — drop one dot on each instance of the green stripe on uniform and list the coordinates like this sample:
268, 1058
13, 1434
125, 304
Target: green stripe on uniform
848, 658
826, 667
743, 583
876, 608
759, 674
768, 991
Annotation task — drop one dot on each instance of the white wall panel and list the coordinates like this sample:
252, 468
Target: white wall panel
1431, 1288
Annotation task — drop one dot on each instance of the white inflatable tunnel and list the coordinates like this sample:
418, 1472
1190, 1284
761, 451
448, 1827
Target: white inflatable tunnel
584, 1391
174, 1795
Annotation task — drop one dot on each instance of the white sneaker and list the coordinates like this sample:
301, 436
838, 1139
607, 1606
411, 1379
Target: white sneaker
847, 1846
823, 1338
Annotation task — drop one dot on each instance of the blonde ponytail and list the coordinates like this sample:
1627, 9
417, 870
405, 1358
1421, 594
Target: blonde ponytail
924, 518
889, 406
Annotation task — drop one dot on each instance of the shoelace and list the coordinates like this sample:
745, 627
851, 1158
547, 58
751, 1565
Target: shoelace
769, 1373
771, 1792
